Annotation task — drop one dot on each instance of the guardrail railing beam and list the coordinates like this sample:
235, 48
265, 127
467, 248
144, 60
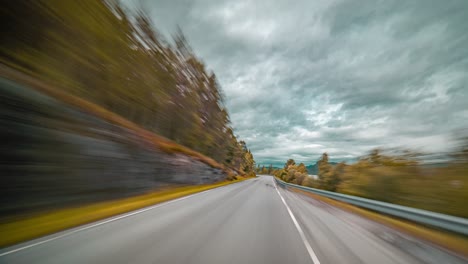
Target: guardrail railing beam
447, 222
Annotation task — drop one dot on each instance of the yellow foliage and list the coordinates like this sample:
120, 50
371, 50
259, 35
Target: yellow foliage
401, 180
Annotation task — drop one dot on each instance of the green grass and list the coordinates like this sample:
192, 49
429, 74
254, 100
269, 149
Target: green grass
27, 228
450, 241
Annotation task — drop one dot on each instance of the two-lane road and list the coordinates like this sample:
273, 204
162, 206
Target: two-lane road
247, 222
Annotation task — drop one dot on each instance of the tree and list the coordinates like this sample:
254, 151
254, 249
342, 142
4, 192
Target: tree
291, 172
329, 177
124, 65
302, 168
290, 162
309, 182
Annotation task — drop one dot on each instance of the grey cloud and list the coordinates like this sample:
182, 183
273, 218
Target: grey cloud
305, 77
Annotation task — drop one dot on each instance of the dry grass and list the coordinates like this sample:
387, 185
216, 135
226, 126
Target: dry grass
450, 241
55, 91
47, 223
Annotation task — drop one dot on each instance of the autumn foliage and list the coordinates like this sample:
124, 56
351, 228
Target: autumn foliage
96, 51
395, 177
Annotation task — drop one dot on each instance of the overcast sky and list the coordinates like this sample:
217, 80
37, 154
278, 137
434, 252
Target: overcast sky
305, 77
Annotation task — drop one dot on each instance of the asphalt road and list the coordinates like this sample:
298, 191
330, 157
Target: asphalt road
249, 222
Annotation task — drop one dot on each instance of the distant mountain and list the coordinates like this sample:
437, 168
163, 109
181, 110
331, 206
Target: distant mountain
313, 169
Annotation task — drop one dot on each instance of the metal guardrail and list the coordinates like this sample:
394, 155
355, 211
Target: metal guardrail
452, 223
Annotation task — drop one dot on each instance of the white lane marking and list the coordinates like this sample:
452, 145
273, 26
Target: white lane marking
312, 254
108, 221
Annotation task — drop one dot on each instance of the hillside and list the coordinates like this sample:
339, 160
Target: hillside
119, 62
98, 106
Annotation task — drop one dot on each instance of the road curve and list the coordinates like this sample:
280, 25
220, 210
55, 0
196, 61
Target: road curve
248, 222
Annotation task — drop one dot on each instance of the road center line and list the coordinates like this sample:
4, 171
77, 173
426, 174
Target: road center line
312, 254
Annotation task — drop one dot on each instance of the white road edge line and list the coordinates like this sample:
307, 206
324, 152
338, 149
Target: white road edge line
112, 219
312, 254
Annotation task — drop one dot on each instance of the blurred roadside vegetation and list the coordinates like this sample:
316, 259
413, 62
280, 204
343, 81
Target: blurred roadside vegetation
264, 170
96, 51
394, 177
